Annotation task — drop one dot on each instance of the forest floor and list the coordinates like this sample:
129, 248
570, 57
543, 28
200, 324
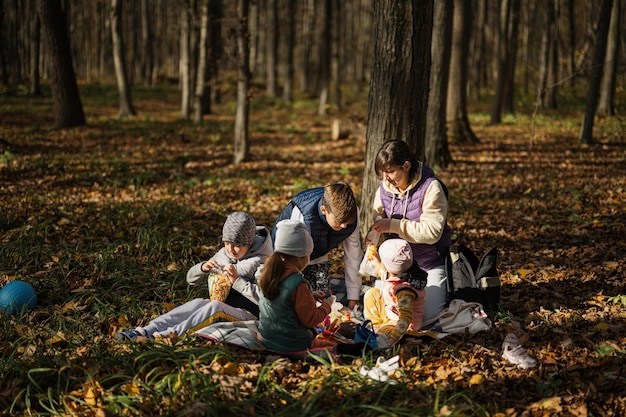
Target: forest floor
104, 221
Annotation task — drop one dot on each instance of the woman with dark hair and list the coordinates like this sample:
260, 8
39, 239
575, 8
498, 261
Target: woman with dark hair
413, 204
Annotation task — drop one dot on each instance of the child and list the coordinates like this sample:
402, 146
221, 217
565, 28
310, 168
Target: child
331, 217
398, 306
246, 247
288, 307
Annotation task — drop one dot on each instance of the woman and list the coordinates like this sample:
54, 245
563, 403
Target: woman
413, 204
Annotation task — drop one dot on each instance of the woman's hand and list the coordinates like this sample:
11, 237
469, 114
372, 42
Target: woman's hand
382, 225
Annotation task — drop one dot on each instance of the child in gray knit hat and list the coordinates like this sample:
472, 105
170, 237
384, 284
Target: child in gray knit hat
246, 247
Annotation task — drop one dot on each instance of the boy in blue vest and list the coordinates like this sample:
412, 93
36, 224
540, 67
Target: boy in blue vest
331, 216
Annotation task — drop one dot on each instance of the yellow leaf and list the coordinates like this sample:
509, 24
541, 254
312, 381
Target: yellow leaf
177, 384
476, 379
602, 326
230, 368
610, 264
131, 389
169, 306
59, 337
528, 191
90, 396
122, 320
524, 272
173, 266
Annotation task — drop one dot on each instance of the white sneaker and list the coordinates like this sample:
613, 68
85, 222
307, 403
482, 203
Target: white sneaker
515, 353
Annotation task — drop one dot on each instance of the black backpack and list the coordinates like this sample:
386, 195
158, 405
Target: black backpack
471, 279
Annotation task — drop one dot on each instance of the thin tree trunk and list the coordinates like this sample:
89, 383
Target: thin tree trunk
437, 153
325, 57
289, 48
125, 101
337, 23
586, 132
271, 48
35, 78
606, 104
241, 145
456, 112
185, 62
215, 22
201, 91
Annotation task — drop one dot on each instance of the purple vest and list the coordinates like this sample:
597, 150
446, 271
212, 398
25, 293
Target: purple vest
427, 256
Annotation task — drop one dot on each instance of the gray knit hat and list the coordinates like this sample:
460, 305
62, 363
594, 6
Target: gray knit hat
293, 238
239, 229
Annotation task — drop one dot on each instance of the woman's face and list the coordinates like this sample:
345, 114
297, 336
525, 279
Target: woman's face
398, 176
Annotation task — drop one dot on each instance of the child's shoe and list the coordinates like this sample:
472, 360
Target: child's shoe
128, 335
515, 353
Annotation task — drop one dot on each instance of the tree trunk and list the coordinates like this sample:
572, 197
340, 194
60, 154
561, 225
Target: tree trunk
507, 50
586, 132
325, 57
606, 104
125, 101
216, 42
35, 41
437, 153
508, 102
200, 95
68, 109
456, 108
546, 90
478, 58
337, 23
185, 62
241, 145
147, 55
289, 48
271, 48
398, 96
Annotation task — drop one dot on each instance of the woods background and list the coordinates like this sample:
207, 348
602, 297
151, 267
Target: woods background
104, 218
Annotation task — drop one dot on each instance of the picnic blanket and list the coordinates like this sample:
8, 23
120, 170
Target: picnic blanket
246, 334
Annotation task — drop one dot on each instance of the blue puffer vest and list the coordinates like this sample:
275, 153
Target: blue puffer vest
325, 238
279, 325
427, 256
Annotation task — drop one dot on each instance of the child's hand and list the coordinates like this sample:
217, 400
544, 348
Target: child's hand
330, 300
231, 272
210, 264
319, 295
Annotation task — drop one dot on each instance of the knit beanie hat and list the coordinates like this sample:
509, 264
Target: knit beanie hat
396, 255
239, 229
293, 238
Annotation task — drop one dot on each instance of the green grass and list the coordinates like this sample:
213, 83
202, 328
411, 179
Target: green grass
105, 220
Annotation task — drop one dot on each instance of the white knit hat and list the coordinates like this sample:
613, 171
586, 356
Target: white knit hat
293, 238
239, 228
396, 255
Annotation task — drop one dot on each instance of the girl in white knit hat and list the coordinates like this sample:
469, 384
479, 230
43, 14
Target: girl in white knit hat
288, 307
398, 306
